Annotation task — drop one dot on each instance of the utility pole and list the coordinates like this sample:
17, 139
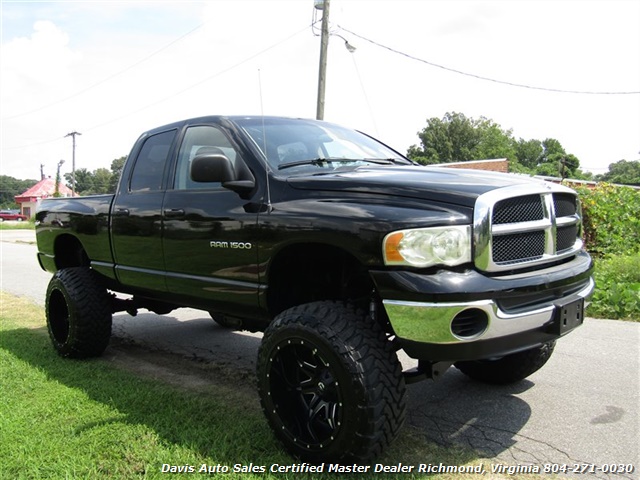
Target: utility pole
324, 44
73, 162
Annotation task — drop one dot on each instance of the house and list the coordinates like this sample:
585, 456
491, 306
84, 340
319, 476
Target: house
45, 188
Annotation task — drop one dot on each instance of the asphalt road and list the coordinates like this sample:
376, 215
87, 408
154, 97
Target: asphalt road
582, 408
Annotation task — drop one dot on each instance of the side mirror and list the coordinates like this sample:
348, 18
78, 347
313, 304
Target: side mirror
212, 168
218, 168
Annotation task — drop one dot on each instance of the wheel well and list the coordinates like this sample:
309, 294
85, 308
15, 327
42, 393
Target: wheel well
310, 272
69, 252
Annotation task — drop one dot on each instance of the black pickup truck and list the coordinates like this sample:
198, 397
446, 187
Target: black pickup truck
340, 249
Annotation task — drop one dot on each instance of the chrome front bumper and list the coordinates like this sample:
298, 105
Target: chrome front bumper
430, 323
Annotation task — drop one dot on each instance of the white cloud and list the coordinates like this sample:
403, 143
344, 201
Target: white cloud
34, 66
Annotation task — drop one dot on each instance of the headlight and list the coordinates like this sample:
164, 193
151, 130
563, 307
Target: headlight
424, 247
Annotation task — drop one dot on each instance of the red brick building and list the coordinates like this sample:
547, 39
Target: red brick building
493, 165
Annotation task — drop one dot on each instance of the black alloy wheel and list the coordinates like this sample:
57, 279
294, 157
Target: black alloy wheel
330, 383
78, 310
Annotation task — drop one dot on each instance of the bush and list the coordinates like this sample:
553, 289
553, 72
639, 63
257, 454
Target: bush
612, 236
617, 293
611, 219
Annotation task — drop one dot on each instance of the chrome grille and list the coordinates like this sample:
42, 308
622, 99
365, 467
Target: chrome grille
526, 225
508, 249
564, 205
519, 209
566, 237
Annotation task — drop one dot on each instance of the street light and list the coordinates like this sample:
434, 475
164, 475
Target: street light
350, 48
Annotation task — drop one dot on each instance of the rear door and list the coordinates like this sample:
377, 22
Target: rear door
136, 217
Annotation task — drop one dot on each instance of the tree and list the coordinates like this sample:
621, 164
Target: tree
494, 141
116, 170
101, 180
84, 181
10, 187
556, 162
458, 138
624, 172
529, 153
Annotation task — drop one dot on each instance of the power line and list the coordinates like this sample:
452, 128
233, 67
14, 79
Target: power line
105, 80
488, 79
200, 82
175, 94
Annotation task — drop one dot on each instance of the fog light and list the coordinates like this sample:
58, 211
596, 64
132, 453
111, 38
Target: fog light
469, 323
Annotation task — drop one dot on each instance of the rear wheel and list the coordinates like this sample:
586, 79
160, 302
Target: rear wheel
78, 310
330, 383
510, 368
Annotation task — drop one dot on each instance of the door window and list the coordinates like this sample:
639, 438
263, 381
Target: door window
200, 140
152, 159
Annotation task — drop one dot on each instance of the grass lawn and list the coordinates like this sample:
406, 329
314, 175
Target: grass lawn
113, 417
10, 225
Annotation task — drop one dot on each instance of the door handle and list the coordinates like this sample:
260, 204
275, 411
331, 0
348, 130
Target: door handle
121, 212
174, 212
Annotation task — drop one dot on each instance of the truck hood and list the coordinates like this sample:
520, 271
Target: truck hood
448, 185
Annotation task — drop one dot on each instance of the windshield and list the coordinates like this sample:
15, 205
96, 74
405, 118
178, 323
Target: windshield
301, 146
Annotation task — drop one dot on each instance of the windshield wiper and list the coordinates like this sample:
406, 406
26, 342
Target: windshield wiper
322, 161
310, 161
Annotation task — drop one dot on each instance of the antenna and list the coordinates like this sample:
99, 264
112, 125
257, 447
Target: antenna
264, 144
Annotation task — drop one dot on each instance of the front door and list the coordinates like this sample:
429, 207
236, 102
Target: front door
209, 242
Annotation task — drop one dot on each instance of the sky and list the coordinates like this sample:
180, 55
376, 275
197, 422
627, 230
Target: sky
111, 70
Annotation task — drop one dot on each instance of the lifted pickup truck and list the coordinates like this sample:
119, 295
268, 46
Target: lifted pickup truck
340, 249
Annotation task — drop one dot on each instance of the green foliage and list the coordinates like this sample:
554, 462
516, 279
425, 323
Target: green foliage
529, 153
100, 181
612, 235
83, 180
457, 138
91, 183
611, 219
624, 172
116, 170
9, 188
617, 293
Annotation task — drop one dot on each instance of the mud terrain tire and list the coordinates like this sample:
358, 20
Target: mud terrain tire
78, 310
330, 383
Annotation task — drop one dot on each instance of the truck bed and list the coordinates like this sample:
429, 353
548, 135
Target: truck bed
83, 219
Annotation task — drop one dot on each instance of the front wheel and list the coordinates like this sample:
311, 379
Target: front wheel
78, 310
510, 368
330, 383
